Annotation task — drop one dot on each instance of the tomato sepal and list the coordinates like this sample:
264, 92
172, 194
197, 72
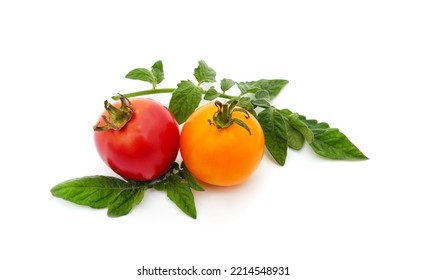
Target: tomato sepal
118, 117
223, 117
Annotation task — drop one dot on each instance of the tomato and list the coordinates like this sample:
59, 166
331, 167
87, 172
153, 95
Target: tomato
140, 140
222, 156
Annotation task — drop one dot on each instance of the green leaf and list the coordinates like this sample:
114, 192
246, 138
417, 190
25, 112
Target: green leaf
331, 143
155, 76
101, 192
324, 140
296, 123
159, 186
185, 99
226, 84
203, 73
247, 87
262, 102
211, 94
142, 74
274, 128
262, 94
273, 87
286, 112
181, 194
295, 139
192, 182
157, 71
245, 103
125, 201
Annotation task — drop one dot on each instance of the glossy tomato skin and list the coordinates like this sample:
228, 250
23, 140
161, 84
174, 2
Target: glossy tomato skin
146, 147
221, 157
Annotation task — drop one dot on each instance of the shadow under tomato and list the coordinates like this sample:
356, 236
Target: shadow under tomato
220, 189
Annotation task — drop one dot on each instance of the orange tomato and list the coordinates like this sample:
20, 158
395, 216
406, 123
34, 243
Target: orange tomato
221, 156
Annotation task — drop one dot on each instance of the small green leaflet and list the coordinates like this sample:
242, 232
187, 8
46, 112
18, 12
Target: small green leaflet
262, 94
247, 87
158, 72
326, 141
211, 94
272, 87
155, 76
226, 84
115, 194
294, 121
262, 103
274, 128
185, 100
331, 143
245, 103
204, 74
180, 193
295, 139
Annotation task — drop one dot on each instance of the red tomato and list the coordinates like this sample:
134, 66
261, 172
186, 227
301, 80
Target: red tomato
146, 146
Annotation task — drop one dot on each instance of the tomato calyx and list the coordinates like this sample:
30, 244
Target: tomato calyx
223, 118
118, 117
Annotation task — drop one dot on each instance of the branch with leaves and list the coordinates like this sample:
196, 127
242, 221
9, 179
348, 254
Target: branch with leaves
282, 128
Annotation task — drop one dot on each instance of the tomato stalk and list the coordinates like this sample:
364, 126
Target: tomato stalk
158, 91
144, 92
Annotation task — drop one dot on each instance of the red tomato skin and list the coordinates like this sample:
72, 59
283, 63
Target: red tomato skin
146, 147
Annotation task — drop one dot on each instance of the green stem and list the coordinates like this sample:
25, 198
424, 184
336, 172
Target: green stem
226, 96
157, 91
144, 92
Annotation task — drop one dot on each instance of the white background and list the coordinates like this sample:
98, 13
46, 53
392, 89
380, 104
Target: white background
358, 65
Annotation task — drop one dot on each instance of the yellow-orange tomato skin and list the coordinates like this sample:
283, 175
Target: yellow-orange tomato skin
221, 157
